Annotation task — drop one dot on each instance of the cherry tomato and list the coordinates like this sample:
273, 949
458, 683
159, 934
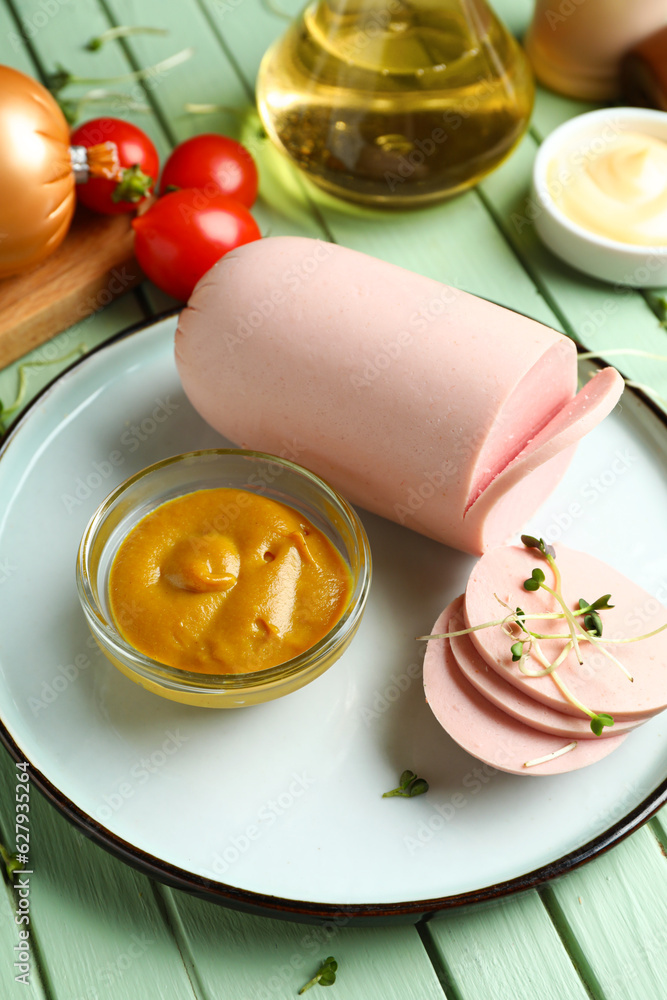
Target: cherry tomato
184, 233
138, 159
212, 163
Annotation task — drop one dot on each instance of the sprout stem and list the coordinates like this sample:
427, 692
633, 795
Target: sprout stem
552, 756
63, 78
121, 31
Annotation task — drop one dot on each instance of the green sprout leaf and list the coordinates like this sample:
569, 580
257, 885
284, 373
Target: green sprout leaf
325, 975
538, 543
409, 785
602, 603
599, 721
536, 578
516, 651
530, 541
592, 620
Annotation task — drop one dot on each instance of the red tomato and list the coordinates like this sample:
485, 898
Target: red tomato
212, 163
184, 233
138, 158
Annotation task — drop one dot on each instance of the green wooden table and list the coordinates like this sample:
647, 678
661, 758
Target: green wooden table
101, 930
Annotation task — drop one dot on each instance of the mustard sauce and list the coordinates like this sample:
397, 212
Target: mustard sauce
226, 581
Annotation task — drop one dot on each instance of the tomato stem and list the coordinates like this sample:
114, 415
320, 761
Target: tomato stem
133, 186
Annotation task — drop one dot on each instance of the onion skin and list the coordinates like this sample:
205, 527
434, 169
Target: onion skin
36, 180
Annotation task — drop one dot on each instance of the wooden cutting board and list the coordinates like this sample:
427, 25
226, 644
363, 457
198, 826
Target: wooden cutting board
94, 265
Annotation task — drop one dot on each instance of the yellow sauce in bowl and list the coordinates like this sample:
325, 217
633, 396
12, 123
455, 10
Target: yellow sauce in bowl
226, 581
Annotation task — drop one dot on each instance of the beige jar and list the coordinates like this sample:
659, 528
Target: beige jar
575, 46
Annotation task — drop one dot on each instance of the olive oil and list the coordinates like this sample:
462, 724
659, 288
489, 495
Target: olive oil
394, 103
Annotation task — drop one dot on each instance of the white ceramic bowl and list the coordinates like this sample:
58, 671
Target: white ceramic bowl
610, 260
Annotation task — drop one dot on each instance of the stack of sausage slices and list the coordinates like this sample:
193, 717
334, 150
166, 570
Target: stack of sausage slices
547, 661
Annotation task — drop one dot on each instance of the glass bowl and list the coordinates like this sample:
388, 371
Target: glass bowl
273, 477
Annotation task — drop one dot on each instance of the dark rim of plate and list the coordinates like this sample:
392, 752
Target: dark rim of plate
303, 911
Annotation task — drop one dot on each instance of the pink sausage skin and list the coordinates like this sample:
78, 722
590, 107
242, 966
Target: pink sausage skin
424, 404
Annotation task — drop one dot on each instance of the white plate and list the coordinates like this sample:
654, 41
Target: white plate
278, 808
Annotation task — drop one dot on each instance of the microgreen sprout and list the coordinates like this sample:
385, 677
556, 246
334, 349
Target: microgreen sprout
536, 578
585, 624
551, 756
538, 543
72, 107
62, 78
121, 31
325, 975
592, 620
10, 862
409, 785
6, 412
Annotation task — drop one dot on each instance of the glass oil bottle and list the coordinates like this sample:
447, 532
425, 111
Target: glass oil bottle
396, 103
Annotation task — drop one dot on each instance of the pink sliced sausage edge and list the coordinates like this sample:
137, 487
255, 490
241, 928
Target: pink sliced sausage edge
520, 706
598, 683
486, 732
552, 447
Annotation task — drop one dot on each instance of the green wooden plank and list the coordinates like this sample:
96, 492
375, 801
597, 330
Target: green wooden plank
613, 916
101, 932
62, 40
456, 242
90, 332
13, 48
282, 208
242, 957
506, 950
659, 826
600, 316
